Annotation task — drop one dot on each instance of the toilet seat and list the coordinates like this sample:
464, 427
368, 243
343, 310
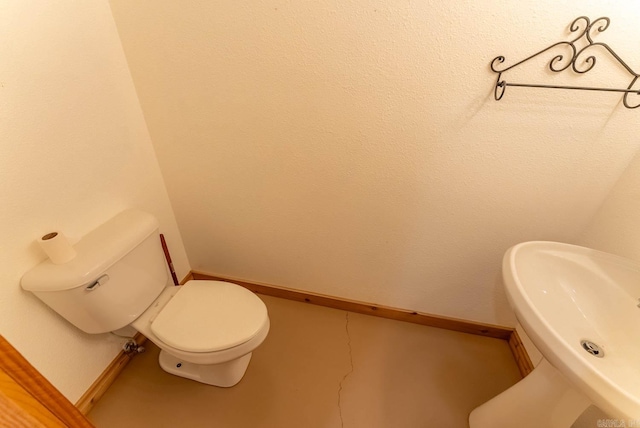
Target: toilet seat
209, 316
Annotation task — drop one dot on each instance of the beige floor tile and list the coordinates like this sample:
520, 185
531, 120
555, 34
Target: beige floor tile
323, 368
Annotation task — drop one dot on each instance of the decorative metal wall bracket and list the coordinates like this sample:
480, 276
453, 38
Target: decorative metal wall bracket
580, 61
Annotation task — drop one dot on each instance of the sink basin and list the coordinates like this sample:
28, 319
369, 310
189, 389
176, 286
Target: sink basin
580, 308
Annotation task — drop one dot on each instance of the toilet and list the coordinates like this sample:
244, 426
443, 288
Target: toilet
206, 330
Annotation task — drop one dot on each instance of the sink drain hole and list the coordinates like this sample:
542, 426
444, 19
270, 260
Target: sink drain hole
592, 348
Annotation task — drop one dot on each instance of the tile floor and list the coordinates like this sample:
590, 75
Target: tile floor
323, 368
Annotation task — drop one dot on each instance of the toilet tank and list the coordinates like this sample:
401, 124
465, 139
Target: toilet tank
118, 272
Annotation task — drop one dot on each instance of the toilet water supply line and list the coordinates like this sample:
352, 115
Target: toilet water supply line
130, 346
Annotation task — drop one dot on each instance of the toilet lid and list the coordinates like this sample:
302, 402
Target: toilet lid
208, 316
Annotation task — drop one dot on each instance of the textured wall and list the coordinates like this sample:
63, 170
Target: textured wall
615, 228
74, 150
353, 148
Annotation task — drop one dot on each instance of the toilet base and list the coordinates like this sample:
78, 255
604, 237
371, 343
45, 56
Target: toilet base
225, 374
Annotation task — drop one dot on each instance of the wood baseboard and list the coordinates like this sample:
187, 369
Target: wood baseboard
108, 376
520, 354
189, 277
98, 388
448, 323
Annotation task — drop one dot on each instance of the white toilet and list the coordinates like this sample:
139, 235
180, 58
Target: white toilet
206, 330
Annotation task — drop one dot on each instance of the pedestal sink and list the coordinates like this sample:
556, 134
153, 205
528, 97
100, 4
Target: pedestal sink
580, 308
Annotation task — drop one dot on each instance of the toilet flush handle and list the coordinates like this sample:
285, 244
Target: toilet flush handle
97, 283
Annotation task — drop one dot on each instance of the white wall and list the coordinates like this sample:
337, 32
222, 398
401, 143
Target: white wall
74, 150
353, 148
615, 228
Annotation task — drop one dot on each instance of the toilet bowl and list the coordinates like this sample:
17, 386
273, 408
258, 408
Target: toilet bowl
206, 330
210, 329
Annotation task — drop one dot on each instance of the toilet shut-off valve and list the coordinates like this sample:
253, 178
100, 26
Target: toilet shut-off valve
131, 347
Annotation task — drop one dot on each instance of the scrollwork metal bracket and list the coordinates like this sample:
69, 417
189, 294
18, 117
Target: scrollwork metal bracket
581, 61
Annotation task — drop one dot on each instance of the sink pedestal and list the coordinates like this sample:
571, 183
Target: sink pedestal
545, 398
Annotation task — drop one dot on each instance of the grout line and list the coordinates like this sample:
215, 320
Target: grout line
348, 373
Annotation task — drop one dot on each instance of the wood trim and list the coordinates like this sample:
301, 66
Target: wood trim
367, 308
108, 376
520, 354
518, 350
18, 408
28, 378
189, 277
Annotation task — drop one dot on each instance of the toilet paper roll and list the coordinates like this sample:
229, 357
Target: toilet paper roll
57, 247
